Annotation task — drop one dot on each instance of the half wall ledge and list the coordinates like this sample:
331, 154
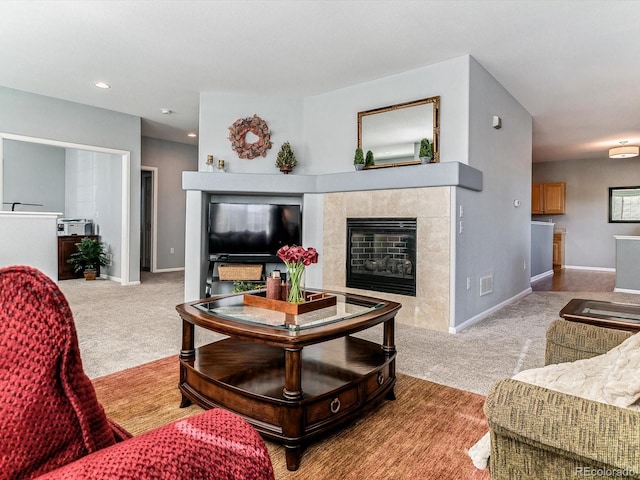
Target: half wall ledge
453, 174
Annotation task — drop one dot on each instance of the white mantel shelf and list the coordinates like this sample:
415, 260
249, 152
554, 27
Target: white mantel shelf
414, 176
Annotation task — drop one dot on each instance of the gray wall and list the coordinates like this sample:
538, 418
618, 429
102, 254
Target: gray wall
33, 173
23, 113
496, 236
171, 159
589, 240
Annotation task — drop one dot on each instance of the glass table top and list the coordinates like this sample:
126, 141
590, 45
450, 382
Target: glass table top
626, 312
233, 308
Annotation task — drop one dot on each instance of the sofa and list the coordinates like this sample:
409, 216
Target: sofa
53, 426
538, 433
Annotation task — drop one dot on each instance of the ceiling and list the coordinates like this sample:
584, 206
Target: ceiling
574, 66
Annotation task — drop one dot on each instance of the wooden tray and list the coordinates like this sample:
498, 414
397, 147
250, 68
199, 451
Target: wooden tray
315, 301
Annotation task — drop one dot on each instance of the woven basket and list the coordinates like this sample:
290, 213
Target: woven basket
240, 272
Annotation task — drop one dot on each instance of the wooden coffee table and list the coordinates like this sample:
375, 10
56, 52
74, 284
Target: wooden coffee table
293, 377
620, 316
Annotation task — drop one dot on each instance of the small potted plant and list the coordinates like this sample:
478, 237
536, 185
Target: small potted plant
286, 159
426, 150
88, 258
369, 161
358, 159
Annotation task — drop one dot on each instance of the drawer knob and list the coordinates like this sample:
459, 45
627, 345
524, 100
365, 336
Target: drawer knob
380, 378
334, 406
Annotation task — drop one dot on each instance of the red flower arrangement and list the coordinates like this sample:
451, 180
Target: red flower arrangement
296, 258
238, 133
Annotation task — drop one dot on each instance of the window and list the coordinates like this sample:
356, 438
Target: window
624, 205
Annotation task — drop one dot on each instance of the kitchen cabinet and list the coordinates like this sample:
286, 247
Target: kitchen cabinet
548, 198
558, 249
67, 246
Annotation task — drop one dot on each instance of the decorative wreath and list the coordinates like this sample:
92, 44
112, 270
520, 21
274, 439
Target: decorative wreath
238, 133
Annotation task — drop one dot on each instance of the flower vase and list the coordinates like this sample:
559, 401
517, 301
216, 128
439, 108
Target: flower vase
295, 290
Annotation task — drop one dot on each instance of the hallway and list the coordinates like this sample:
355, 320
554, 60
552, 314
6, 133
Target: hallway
573, 280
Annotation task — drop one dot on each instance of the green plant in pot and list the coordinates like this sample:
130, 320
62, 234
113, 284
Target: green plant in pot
426, 150
286, 159
88, 258
358, 159
369, 161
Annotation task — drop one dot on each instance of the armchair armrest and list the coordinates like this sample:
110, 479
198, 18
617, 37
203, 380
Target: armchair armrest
215, 445
569, 341
585, 432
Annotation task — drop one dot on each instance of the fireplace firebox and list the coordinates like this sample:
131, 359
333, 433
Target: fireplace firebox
381, 254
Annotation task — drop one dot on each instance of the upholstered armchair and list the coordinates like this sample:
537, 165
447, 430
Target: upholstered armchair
537, 433
52, 426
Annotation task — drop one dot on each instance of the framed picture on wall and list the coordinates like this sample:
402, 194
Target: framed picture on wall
624, 204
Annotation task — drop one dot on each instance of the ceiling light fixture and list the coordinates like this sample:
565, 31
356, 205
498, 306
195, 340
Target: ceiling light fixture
101, 85
624, 151
166, 111
193, 135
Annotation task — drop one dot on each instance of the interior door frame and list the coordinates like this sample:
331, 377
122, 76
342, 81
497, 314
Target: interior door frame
125, 201
154, 215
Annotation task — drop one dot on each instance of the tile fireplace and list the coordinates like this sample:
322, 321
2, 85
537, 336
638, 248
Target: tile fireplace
381, 254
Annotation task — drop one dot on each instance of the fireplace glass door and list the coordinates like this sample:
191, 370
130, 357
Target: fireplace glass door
381, 254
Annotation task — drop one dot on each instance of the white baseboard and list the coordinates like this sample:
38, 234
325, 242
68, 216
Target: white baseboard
481, 316
598, 269
548, 273
625, 290
163, 270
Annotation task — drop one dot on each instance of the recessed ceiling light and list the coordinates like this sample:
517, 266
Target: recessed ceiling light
192, 135
166, 111
102, 85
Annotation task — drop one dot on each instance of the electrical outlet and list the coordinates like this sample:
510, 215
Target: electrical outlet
468, 283
109, 259
172, 250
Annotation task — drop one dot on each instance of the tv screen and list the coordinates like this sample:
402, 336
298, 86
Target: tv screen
253, 229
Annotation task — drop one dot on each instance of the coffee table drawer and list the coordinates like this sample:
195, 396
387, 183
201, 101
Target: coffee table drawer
375, 382
330, 406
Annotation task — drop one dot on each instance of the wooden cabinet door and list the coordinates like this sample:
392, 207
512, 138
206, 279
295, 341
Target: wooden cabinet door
558, 250
554, 198
536, 199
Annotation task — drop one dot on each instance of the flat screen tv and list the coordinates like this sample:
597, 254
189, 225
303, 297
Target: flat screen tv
253, 229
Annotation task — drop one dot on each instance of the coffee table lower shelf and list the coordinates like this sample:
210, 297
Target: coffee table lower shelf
341, 380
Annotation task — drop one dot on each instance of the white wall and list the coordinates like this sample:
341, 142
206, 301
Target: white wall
93, 181
282, 114
496, 236
331, 119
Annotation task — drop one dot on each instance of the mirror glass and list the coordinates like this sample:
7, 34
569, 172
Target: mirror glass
393, 133
624, 205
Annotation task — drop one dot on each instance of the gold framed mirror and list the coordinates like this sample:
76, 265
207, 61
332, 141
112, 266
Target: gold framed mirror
393, 133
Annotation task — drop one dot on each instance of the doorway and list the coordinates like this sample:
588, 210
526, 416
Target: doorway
148, 218
123, 157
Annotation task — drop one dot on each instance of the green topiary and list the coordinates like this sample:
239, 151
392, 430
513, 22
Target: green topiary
426, 148
358, 159
369, 160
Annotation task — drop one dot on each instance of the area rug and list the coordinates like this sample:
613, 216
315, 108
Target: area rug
424, 434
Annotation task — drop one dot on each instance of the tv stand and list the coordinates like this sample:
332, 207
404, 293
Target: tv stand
216, 259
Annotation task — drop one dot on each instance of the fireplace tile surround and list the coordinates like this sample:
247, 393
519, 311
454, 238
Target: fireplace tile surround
432, 208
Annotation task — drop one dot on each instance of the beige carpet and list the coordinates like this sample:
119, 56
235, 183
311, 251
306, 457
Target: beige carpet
120, 327
424, 434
